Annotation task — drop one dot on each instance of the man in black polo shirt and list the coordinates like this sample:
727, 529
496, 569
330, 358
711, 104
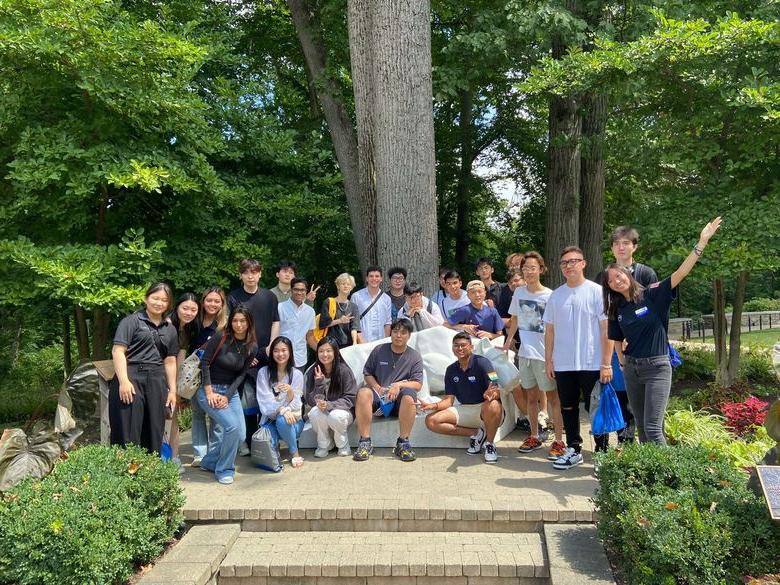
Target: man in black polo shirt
264, 307
471, 406
393, 374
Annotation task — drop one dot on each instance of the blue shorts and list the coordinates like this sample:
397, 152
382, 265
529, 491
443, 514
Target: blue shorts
376, 405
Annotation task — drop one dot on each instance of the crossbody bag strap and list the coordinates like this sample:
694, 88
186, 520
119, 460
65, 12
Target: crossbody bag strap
371, 306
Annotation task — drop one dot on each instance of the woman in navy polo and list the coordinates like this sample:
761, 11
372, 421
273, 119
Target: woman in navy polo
640, 316
144, 355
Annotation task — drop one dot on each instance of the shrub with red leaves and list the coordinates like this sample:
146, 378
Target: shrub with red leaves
741, 417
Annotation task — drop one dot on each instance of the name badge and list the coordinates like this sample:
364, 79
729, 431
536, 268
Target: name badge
383, 363
640, 312
472, 378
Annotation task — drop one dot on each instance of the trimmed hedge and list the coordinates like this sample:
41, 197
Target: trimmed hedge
92, 520
679, 515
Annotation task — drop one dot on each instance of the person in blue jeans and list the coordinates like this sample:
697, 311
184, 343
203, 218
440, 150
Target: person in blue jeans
224, 366
639, 316
279, 391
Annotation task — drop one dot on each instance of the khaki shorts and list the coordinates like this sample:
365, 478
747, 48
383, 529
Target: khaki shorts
532, 374
467, 415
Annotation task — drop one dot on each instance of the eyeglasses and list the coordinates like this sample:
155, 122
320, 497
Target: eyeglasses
303, 290
572, 262
461, 345
398, 277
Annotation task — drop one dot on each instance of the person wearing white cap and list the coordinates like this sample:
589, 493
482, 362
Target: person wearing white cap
476, 318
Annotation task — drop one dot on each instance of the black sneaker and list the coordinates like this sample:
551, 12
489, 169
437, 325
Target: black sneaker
404, 451
524, 425
364, 450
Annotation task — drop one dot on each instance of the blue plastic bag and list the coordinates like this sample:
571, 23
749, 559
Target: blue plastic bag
608, 417
386, 405
674, 357
618, 382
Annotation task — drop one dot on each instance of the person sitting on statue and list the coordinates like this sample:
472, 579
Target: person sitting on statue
477, 318
421, 311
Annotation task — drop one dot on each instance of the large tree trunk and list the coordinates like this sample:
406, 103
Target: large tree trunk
16, 345
563, 180
390, 46
361, 197
463, 192
719, 328
67, 361
82, 332
592, 183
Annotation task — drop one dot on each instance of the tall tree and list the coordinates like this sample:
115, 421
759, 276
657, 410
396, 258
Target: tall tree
390, 46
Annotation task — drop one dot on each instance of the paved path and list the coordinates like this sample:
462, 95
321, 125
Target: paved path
440, 479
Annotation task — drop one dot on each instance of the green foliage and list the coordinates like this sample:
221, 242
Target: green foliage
759, 304
682, 515
699, 364
184, 418
32, 384
97, 514
708, 430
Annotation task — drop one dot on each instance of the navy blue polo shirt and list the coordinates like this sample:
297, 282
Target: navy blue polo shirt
643, 324
469, 385
486, 318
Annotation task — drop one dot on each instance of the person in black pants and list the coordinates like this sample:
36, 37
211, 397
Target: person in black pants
144, 387
264, 308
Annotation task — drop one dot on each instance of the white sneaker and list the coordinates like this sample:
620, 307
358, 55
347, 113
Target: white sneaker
196, 461
569, 459
243, 450
476, 442
345, 451
490, 453
321, 452
226, 480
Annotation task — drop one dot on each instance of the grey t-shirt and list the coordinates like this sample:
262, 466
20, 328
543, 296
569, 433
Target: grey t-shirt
387, 367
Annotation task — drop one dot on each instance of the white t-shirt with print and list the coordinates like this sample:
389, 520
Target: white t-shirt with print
529, 307
575, 313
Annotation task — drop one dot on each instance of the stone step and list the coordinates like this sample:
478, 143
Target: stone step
424, 514
576, 555
377, 558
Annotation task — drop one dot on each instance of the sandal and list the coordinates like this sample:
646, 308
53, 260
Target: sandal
296, 461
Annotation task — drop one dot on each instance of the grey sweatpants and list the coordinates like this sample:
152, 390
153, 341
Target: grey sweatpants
648, 382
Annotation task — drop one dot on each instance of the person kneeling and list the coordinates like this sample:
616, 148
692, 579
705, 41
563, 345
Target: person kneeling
393, 374
471, 406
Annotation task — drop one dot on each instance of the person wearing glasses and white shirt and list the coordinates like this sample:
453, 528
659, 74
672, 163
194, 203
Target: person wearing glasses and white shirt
577, 353
296, 322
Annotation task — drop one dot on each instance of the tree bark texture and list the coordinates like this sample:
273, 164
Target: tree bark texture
66, 357
390, 46
101, 321
16, 345
592, 181
719, 330
735, 335
360, 194
82, 332
463, 193
563, 177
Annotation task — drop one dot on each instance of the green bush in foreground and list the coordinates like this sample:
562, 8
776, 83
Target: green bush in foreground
97, 515
683, 515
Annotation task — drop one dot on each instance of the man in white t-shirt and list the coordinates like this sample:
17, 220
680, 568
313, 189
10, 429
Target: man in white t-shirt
526, 310
456, 297
374, 306
577, 352
296, 322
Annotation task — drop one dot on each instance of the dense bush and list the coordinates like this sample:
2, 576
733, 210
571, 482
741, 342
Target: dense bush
682, 515
31, 384
699, 364
762, 304
97, 515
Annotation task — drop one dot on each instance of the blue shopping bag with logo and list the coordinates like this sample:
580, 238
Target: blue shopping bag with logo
608, 418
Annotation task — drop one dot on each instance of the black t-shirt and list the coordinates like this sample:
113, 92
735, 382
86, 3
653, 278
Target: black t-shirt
225, 365
264, 307
643, 324
469, 385
387, 367
396, 304
502, 306
203, 335
146, 342
342, 333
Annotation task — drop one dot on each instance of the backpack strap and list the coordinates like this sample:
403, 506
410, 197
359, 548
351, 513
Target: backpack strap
371, 306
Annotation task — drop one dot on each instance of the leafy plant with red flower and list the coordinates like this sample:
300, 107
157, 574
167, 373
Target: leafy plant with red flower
742, 417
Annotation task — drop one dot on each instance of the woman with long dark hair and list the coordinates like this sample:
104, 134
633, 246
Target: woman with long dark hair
144, 355
330, 392
641, 316
211, 320
184, 319
224, 365
279, 390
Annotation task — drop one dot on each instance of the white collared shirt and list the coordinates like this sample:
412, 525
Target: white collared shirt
372, 326
295, 321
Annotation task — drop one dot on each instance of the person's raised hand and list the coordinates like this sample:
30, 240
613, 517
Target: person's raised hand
312, 294
709, 230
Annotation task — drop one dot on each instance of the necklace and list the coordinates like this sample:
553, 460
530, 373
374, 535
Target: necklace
395, 357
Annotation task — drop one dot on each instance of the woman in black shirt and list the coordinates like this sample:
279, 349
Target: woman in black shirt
225, 362
144, 355
639, 315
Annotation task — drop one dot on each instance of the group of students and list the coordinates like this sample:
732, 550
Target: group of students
255, 341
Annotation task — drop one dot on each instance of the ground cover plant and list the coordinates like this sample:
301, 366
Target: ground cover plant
100, 513
683, 515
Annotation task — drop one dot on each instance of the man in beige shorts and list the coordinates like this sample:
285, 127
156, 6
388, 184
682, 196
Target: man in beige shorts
471, 406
